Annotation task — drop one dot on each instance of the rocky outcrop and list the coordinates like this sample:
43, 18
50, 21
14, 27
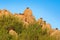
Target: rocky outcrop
27, 17
4, 12
13, 34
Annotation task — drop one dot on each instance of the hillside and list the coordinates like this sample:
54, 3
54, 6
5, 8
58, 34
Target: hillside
24, 26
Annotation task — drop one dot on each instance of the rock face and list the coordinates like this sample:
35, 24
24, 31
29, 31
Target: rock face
55, 32
43, 24
50, 31
4, 12
13, 34
27, 16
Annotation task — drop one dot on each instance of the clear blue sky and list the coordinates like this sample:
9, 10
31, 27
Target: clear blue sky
49, 10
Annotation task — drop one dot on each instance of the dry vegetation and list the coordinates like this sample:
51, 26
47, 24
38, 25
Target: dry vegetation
33, 32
